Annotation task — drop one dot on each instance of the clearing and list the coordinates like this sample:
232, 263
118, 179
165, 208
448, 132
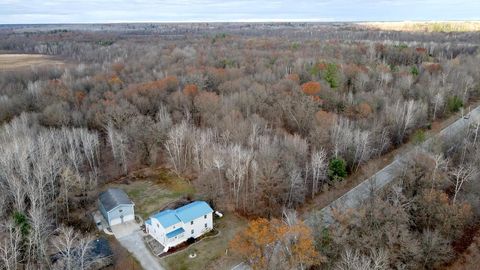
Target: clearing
154, 189
19, 61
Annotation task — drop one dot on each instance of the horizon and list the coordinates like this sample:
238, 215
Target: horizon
249, 11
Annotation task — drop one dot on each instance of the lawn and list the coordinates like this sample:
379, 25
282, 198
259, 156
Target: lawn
211, 252
152, 189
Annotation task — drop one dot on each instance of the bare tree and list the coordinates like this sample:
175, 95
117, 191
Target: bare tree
318, 165
461, 174
10, 247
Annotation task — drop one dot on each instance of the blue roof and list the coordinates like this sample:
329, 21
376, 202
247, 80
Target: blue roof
167, 218
185, 213
175, 232
149, 222
193, 210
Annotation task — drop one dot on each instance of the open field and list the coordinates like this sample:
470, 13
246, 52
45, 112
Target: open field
153, 189
447, 26
19, 61
211, 252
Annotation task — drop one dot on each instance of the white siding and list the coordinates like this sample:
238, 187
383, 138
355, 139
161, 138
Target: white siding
200, 226
121, 213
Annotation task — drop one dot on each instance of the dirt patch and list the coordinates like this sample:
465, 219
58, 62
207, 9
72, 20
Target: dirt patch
21, 61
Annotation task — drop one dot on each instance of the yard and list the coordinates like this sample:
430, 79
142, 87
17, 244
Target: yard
153, 189
211, 252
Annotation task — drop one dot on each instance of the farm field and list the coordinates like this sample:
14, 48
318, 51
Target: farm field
20, 61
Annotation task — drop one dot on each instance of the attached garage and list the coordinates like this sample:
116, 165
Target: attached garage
115, 206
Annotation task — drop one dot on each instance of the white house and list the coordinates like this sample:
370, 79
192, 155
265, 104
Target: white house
115, 206
172, 227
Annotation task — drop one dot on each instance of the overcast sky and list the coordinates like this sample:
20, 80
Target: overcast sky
96, 11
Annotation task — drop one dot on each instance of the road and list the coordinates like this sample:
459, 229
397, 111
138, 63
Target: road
131, 237
384, 176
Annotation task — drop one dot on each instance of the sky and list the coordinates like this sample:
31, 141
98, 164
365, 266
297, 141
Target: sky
112, 11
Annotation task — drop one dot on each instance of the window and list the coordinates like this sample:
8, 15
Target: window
191, 222
205, 216
205, 225
192, 231
158, 226
121, 210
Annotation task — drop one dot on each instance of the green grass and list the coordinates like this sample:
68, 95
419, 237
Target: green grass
210, 251
151, 190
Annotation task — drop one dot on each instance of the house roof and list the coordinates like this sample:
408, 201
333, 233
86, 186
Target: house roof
167, 218
113, 197
193, 210
185, 213
175, 232
149, 222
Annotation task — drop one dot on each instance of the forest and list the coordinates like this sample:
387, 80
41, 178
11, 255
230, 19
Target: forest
261, 118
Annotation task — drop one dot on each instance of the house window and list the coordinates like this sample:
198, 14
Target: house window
191, 222
121, 210
205, 225
192, 231
205, 216
158, 226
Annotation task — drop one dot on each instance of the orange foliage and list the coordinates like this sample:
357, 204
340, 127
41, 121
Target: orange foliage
190, 90
256, 243
421, 50
79, 97
324, 118
169, 83
432, 67
364, 110
115, 80
293, 77
311, 88
118, 67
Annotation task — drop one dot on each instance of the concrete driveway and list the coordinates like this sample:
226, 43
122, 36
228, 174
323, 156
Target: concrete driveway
131, 237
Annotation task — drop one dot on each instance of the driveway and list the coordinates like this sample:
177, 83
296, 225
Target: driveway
131, 237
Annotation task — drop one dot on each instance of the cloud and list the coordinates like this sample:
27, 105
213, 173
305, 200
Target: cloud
91, 11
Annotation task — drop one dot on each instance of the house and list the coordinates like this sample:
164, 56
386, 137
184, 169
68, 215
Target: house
172, 227
98, 256
115, 206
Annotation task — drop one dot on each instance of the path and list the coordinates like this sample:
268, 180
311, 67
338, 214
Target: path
131, 237
384, 176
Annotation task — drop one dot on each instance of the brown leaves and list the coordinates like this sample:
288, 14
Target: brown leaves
311, 88
266, 242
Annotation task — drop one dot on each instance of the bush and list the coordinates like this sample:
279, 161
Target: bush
331, 75
190, 240
419, 137
337, 169
454, 104
414, 71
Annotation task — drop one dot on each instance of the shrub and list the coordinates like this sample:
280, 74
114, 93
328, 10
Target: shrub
419, 137
337, 169
414, 71
454, 104
331, 75
190, 240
